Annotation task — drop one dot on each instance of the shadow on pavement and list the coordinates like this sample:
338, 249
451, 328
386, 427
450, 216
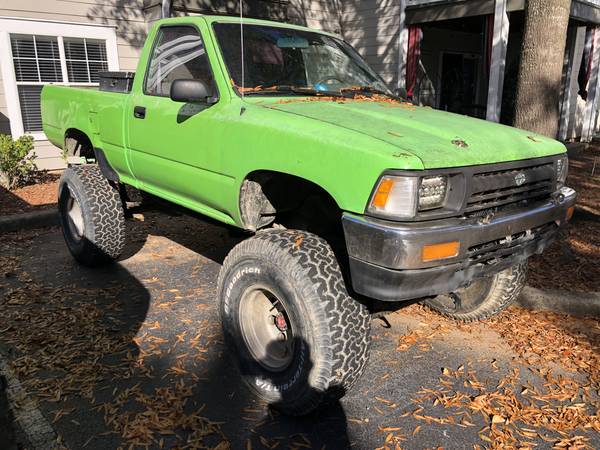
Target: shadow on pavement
199, 234
116, 360
222, 387
252, 423
7, 432
67, 330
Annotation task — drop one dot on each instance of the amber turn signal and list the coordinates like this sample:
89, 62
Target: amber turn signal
570, 212
383, 191
440, 251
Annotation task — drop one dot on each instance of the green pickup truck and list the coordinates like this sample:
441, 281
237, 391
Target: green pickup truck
353, 199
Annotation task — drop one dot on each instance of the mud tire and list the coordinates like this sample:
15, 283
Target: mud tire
103, 236
331, 329
493, 294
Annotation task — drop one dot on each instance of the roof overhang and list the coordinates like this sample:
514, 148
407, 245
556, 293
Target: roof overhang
586, 11
421, 11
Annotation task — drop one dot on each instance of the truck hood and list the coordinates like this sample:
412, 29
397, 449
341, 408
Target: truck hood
439, 139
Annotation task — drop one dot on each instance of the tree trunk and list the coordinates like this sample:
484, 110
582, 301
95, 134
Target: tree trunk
540, 72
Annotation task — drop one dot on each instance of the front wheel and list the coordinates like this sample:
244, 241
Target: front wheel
299, 338
482, 298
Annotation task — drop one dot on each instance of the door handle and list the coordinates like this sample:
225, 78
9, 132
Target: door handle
139, 112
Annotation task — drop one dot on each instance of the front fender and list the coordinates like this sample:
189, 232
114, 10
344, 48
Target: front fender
345, 163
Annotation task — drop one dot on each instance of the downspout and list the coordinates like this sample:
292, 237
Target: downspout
402, 49
166, 8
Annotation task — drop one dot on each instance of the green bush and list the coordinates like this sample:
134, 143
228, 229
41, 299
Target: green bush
17, 165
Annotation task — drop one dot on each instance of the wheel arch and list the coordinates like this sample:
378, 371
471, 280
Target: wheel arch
265, 195
78, 143
84, 144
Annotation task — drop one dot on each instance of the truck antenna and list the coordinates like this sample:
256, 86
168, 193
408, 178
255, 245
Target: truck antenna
243, 109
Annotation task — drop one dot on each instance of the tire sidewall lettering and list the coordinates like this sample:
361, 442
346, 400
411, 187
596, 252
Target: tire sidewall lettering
252, 270
276, 386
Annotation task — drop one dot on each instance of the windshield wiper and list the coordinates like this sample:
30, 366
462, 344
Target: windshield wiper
287, 89
369, 90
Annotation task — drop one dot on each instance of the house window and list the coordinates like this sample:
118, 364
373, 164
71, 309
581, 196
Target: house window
39, 52
85, 58
37, 61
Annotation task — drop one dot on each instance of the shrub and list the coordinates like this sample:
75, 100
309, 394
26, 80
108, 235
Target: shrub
17, 162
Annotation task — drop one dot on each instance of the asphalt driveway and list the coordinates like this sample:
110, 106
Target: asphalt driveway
132, 355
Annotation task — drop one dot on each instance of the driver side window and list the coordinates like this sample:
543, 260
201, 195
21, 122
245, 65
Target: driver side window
178, 54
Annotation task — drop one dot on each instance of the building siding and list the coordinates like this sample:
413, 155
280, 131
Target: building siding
320, 14
126, 17
4, 122
372, 27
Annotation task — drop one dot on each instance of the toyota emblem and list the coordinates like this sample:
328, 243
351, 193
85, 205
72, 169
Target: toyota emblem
520, 179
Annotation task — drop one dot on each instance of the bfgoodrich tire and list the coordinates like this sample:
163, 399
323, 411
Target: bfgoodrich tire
91, 215
298, 337
483, 298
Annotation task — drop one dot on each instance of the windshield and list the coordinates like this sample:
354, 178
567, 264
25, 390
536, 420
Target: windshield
280, 61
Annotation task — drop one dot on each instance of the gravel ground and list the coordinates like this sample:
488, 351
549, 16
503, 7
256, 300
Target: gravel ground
130, 356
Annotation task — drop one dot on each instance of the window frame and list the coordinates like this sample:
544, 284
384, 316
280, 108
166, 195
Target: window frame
155, 43
53, 28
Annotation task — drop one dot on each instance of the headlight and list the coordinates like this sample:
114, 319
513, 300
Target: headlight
403, 197
432, 192
562, 170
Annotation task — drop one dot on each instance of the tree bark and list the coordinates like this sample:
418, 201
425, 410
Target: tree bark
540, 72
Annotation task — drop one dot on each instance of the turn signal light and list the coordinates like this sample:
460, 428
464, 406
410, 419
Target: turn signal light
440, 251
383, 192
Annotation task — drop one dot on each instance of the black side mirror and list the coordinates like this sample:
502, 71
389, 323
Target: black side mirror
191, 91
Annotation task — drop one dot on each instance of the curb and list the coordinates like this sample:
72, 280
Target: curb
574, 303
29, 221
27, 416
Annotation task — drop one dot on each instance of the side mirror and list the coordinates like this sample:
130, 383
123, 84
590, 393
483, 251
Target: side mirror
191, 91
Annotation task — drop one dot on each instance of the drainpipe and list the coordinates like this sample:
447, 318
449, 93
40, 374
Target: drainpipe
165, 10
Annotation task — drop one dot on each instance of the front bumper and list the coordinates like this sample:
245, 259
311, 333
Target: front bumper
386, 257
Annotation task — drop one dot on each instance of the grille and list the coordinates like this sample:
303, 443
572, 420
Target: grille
492, 191
494, 251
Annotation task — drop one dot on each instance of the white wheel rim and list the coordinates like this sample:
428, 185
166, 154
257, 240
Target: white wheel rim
75, 215
270, 346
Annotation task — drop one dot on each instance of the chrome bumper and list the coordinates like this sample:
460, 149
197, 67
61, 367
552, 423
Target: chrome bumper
399, 245
386, 257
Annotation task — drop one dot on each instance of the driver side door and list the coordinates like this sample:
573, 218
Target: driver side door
172, 144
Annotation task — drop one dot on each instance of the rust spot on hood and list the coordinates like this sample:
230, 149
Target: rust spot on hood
401, 155
460, 143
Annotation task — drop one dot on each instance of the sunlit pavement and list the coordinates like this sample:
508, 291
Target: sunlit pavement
132, 354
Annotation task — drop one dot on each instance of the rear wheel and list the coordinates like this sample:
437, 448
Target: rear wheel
482, 298
299, 338
91, 215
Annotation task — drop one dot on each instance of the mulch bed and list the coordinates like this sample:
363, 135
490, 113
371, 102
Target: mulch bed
34, 197
571, 263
